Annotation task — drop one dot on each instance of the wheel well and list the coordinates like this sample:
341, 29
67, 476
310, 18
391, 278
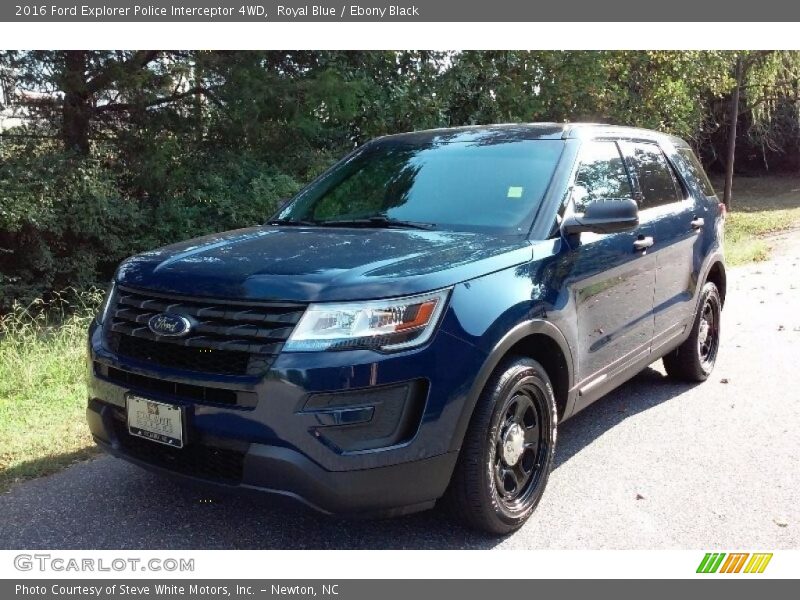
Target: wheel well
546, 351
716, 275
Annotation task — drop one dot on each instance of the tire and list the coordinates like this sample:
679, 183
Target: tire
512, 432
694, 359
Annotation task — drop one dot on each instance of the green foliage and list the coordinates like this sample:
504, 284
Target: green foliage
42, 391
61, 221
67, 221
655, 89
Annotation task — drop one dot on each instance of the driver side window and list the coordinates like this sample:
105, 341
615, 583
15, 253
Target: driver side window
601, 174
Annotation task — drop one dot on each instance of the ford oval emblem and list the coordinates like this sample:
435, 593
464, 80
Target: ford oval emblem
169, 325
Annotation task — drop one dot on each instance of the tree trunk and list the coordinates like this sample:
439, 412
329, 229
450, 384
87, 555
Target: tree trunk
199, 123
76, 111
734, 116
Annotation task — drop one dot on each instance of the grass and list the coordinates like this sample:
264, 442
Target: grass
42, 346
761, 206
42, 386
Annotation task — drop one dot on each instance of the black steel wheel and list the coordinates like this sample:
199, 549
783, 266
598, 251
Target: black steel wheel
708, 333
519, 446
508, 450
695, 358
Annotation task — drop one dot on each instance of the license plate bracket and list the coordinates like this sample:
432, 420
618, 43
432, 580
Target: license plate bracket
155, 421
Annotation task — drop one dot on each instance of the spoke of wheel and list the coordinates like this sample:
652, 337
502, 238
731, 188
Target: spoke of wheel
532, 435
498, 478
532, 431
511, 412
513, 475
523, 403
521, 475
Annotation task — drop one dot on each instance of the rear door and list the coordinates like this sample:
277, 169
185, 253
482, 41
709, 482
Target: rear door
677, 219
612, 277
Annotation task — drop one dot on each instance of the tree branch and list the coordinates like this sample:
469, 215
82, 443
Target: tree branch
139, 60
128, 106
751, 59
758, 101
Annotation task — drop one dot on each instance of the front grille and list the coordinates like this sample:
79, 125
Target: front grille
197, 460
183, 357
227, 337
196, 393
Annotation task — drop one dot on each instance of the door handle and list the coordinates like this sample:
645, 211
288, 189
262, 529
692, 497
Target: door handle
643, 243
698, 223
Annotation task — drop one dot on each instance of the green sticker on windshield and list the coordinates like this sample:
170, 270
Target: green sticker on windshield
514, 191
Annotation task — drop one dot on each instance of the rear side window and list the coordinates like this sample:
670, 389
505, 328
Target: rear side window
601, 174
656, 180
697, 171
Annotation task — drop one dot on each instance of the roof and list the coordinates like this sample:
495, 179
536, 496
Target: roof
594, 130
527, 131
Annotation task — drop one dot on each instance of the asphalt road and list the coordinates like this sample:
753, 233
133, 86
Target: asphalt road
656, 464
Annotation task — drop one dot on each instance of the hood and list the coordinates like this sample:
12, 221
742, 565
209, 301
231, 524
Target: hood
312, 264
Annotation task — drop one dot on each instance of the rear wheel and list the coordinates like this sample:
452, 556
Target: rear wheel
508, 449
694, 359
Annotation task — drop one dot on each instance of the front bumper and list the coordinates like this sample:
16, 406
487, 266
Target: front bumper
275, 443
381, 491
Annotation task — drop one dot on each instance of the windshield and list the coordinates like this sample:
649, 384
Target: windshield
471, 185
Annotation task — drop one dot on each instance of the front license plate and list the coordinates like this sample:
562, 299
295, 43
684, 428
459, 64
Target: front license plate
156, 421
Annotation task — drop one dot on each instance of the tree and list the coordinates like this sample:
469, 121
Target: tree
87, 88
764, 81
734, 119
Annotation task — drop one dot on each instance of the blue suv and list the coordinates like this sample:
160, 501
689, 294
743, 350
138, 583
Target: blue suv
416, 322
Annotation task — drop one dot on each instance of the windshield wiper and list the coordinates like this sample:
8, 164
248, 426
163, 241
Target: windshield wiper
291, 222
377, 221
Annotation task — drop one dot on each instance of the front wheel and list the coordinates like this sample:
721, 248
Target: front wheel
694, 359
508, 449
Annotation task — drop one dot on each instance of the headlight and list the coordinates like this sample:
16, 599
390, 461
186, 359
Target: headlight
103, 312
392, 324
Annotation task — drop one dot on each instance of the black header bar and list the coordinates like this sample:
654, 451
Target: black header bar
398, 11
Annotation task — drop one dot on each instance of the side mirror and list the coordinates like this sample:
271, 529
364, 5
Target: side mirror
605, 215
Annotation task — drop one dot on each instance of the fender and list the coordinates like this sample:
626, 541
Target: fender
497, 353
713, 258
